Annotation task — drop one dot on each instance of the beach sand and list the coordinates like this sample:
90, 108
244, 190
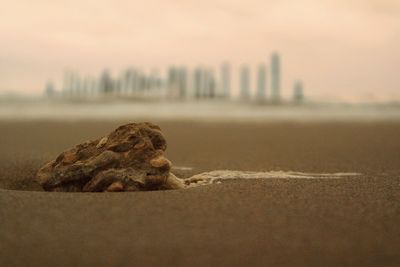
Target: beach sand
349, 221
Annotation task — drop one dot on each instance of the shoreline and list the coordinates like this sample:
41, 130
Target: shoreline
197, 112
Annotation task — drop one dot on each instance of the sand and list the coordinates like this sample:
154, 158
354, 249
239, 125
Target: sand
345, 221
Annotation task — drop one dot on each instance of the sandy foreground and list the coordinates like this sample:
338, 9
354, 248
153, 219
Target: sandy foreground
350, 221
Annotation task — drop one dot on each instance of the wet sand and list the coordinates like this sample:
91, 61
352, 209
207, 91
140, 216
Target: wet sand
279, 222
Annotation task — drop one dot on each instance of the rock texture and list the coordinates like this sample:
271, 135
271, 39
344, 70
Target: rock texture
131, 158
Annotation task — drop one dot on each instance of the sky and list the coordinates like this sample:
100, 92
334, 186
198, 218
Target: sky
341, 49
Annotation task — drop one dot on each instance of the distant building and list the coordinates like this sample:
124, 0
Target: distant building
275, 77
50, 90
173, 82
70, 83
182, 82
135, 81
197, 83
92, 87
156, 82
141, 84
179, 82
209, 89
261, 82
213, 84
85, 86
106, 83
194, 83
244, 82
77, 85
118, 83
298, 92
225, 80
67, 83
205, 83
126, 81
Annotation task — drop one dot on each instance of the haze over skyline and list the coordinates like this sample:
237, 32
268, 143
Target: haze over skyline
341, 49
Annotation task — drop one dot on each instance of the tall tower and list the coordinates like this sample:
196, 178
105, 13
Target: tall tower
244, 82
66, 89
197, 83
50, 90
205, 83
275, 77
261, 82
134, 84
85, 86
182, 82
225, 80
92, 86
201, 80
72, 87
77, 85
127, 82
117, 85
298, 93
105, 82
211, 86
173, 82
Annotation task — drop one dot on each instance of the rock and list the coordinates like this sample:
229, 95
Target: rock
115, 187
131, 158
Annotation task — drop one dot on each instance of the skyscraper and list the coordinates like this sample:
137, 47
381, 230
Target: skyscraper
85, 86
134, 86
182, 82
72, 83
172, 81
127, 81
67, 83
105, 83
275, 77
92, 86
261, 82
201, 82
50, 90
211, 84
225, 80
77, 84
298, 94
244, 82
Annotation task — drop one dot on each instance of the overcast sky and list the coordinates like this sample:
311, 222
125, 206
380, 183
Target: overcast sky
348, 49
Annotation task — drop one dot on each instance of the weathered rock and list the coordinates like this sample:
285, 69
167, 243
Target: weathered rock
131, 158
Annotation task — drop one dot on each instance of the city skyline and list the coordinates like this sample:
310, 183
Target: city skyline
343, 49
180, 82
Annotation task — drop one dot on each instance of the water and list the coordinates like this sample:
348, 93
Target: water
192, 110
218, 176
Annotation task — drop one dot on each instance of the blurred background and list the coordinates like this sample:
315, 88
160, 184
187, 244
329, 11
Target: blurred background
222, 57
